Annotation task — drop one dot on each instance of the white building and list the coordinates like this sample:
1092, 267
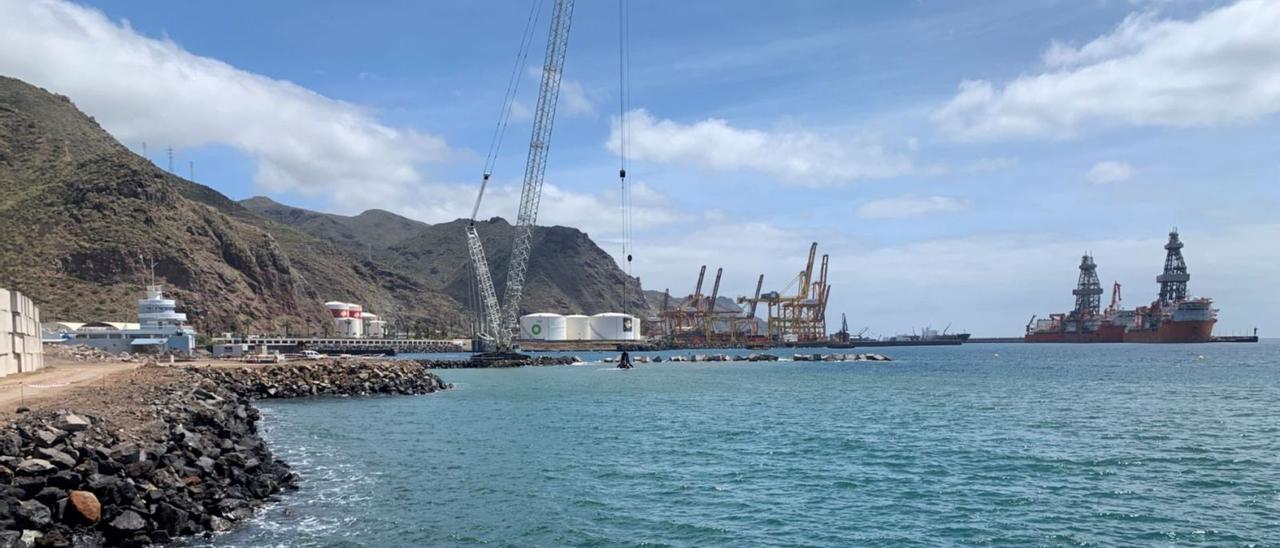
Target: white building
160, 328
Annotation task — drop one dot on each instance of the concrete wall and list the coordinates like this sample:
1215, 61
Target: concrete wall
20, 347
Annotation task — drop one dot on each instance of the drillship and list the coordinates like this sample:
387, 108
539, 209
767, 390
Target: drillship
1172, 317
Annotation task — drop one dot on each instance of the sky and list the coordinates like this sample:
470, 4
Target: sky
954, 159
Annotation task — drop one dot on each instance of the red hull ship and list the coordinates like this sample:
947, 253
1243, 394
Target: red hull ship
1171, 318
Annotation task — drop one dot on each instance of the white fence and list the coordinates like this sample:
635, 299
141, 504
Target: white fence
20, 349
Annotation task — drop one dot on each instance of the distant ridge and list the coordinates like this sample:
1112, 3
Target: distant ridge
568, 272
81, 214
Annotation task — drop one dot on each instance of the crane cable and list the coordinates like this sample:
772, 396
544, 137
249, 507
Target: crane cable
624, 105
508, 100
495, 143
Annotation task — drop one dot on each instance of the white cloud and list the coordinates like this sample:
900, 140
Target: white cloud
794, 156
1216, 69
1105, 173
153, 90
988, 284
598, 214
910, 206
575, 99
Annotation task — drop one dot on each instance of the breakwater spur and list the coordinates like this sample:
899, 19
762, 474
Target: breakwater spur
516, 360
162, 453
328, 378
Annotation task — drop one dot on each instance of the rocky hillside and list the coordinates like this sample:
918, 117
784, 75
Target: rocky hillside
85, 222
568, 273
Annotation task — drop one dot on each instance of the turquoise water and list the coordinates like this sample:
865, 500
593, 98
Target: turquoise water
1013, 445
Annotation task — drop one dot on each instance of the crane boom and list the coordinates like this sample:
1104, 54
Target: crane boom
502, 325
715, 291
751, 313
535, 169
488, 297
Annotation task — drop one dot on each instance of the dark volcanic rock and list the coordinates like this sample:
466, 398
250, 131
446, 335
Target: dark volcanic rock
188, 460
329, 378
33, 514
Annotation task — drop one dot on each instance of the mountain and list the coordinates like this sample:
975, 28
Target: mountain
568, 273
655, 299
86, 222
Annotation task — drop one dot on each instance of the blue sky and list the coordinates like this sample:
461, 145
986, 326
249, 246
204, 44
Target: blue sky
954, 158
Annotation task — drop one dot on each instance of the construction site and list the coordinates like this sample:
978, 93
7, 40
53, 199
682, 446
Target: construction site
795, 315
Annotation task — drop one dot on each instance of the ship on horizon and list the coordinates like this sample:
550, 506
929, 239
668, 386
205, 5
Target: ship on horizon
1173, 317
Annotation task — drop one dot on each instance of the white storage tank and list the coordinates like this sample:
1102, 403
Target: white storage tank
577, 327
337, 309
613, 326
348, 327
354, 313
375, 329
543, 326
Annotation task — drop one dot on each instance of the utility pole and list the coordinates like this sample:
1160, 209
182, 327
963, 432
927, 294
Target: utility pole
171, 159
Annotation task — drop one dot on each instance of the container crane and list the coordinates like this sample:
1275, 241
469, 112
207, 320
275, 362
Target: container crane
500, 320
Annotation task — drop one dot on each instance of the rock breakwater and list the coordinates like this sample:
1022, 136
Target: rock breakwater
328, 378
517, 360
164, 453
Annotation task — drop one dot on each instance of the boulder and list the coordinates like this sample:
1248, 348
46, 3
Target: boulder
55, 456
128, 522
85, 506
33, 514
10, 443
36, 467
72, 422
48, 437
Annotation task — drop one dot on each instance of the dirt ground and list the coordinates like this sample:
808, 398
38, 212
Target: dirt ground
89, 387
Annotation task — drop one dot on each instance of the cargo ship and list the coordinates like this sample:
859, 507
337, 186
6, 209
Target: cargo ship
1172, 318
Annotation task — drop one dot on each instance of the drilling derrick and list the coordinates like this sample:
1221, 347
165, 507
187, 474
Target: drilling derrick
1088, 291
1173, 282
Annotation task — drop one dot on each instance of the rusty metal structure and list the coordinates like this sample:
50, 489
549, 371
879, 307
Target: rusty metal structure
695, 320
802, 317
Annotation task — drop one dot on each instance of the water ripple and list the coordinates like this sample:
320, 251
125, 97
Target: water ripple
1049, 445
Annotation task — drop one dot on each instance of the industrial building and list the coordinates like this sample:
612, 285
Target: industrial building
351, 321
20, 348
608, 326
160, 329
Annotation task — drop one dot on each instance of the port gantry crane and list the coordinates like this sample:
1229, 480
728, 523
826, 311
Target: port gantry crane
498, 322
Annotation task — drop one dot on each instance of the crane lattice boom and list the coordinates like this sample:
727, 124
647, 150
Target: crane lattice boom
503, 325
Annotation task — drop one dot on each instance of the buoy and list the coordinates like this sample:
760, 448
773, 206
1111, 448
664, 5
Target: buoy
996, 355
1201, 357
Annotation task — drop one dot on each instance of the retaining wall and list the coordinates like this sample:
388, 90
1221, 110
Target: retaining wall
20, 346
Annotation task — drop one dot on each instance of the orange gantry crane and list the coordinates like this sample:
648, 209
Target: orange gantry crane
802, 317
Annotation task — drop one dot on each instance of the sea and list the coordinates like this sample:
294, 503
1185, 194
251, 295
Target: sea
981, 444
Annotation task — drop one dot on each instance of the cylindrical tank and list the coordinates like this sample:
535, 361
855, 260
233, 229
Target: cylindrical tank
543, 326
577, 328
348, 327
366, 324
375, 329
337, 309
354, 313
613, 326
